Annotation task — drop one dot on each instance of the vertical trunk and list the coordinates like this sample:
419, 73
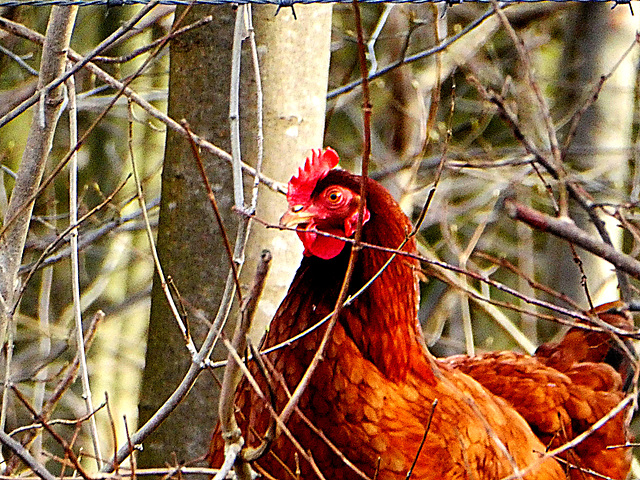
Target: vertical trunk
189, 242
294, 112
596, 39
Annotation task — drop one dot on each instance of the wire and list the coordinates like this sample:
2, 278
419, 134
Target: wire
280, 3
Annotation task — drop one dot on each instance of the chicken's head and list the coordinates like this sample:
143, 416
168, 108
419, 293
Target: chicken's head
316, 204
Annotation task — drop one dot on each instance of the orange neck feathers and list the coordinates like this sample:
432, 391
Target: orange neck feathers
382, 321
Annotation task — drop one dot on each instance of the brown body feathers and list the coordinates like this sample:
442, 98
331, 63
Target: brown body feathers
372, 395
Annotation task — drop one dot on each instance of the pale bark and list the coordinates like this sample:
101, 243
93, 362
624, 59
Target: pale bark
294, 63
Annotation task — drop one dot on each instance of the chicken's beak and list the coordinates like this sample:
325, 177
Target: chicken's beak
292, 219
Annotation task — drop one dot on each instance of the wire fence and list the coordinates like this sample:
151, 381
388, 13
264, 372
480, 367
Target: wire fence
117, 3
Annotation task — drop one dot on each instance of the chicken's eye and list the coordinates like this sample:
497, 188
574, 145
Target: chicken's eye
334, 197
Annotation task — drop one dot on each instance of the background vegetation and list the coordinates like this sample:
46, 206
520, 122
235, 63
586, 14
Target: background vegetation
536, 105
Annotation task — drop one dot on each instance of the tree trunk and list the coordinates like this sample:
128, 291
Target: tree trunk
294, 114
596, 39
189, 242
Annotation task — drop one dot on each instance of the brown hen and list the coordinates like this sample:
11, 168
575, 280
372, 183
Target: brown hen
372, 394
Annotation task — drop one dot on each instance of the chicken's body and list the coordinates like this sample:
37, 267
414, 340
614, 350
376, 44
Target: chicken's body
563, 391
372, 393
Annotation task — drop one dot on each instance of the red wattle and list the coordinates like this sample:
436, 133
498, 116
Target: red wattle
321, 246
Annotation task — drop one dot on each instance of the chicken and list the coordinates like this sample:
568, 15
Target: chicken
372, 395
564, 389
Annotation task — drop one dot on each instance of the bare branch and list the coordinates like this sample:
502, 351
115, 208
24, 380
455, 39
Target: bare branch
26, 457
53, 82
63, 443
232, 374
39, 142
22, 31
566, 229
75, 267
62, 386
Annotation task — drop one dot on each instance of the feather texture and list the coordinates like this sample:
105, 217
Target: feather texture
372, 394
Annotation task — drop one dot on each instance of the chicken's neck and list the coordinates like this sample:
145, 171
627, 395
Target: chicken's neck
382, 320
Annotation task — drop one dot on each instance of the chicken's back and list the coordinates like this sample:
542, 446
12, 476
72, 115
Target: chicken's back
379, 425
563, 391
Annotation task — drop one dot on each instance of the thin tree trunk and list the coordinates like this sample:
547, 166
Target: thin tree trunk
595, 41
39, 141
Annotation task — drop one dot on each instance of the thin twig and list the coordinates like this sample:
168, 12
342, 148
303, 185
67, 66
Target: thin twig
434, 404
259, 110
26, 457
464, 301
19, 61
58, 421
63, 443
133, 457
232, 374
418, 56
624, 403
44, 347
62, 386
22, 31
214, 206
154, 252
52, 246
130, 56
373, 38
114, 436
63, 78
240, 33
75, 267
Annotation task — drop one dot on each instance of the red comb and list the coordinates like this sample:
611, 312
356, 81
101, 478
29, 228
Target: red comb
315, 169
